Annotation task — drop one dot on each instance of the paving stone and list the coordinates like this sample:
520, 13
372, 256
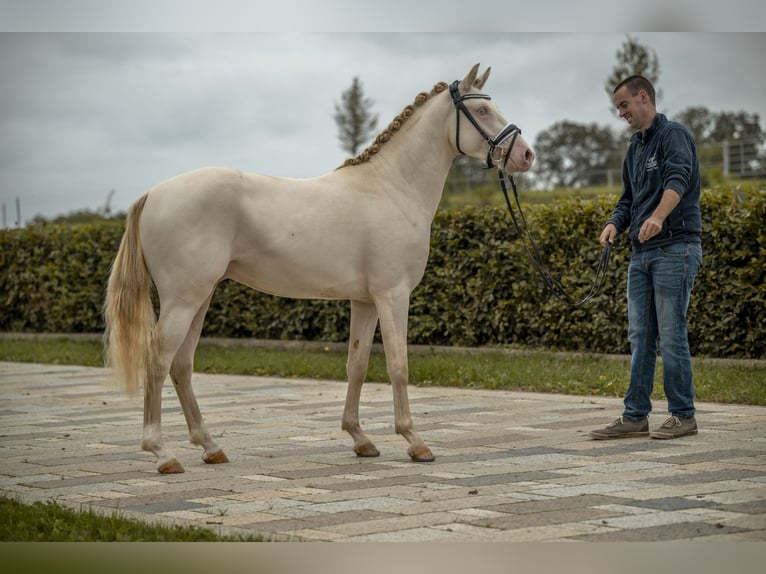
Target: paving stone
755, 506
510, 466
412, 535
713, 476
666, 533
317, 521
715, 455
163, 507
548, 533
547, 504
529, 519
671, 503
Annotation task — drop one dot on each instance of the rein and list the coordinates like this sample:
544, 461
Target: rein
551, 283
519, 221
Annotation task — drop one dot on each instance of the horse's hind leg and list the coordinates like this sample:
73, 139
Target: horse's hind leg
364, 319
181, 374
172, 328
167, 463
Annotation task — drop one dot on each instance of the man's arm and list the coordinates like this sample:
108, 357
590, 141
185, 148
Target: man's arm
620, 218
653, 225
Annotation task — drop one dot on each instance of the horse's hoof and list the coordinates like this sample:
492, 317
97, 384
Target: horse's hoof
171, 467
367, 450
421, 454
217, 457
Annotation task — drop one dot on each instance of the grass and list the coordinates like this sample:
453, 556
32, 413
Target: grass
522, 370
489, 194
51, 522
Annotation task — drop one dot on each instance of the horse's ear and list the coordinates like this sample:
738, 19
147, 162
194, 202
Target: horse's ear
480, 81
469, 79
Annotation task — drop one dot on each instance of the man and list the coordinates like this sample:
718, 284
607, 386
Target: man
660, 203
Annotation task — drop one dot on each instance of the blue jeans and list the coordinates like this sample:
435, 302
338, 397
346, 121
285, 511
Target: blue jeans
660, 282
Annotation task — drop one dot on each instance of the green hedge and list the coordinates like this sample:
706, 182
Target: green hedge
479, 287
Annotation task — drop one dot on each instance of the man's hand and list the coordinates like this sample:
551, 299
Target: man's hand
650, 228
609, 234
653, 225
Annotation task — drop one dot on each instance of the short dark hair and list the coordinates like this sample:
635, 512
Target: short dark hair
635, 84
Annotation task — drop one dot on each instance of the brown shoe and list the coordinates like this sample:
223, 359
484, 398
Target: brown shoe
622, 428
675, 427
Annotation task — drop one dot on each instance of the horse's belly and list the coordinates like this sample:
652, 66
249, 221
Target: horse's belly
331, 257
347, 270
299, 279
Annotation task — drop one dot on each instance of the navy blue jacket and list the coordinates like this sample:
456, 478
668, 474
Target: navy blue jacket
663, 157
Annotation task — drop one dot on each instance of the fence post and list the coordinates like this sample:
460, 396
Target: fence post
725, 148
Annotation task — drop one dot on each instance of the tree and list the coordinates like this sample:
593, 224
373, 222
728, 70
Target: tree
736, 126
743, 154
356, 124
634, 58
576, 155
699, 120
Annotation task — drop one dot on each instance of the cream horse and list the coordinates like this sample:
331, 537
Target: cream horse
360, 232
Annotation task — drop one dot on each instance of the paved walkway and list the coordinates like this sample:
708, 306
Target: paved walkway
510, 466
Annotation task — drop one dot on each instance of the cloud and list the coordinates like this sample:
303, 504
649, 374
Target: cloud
81, 114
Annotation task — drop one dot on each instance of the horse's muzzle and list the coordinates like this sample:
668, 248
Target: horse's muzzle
520, 158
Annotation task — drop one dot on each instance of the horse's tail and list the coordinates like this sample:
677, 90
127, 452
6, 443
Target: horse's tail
129, 345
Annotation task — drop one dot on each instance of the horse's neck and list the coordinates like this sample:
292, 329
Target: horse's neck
417, 159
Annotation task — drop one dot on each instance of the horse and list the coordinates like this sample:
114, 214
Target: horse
360, 233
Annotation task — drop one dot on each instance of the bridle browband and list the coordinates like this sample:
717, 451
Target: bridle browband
511, 130
519, 221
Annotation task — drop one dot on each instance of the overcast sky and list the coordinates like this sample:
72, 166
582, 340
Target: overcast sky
84, 113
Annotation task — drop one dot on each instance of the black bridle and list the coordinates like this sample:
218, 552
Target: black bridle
519, 221
511, 130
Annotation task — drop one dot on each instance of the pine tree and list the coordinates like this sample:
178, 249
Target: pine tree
634, 58
356, 124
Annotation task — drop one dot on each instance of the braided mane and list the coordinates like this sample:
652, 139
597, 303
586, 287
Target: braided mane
394, 126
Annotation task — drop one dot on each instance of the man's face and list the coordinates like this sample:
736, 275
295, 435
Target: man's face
635, 109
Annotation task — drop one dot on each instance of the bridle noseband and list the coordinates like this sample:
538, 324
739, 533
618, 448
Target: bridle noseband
511, 130
519, 221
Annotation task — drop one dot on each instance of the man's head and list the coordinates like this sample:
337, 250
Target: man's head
634, 98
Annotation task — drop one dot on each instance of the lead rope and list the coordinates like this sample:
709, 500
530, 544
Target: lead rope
551, 283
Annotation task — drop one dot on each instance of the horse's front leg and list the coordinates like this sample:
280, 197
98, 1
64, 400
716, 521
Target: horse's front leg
364, 319
393, 311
